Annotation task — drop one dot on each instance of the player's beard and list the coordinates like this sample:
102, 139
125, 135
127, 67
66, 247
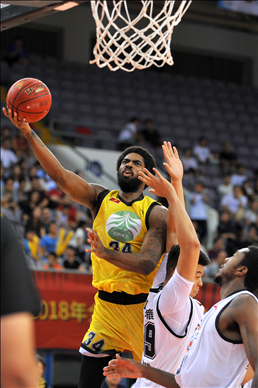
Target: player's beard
223, 277
218, 279
128, 185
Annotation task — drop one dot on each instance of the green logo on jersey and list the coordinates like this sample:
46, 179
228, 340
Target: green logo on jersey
123, 226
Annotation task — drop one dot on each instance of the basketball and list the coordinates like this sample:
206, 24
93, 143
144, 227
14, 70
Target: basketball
30, 98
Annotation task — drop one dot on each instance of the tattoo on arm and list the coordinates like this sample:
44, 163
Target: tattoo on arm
249, 341
236, 303
35, 136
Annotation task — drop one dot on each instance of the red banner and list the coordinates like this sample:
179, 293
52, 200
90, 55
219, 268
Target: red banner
67, 301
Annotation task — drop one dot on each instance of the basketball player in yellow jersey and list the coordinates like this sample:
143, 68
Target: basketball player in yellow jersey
134, 241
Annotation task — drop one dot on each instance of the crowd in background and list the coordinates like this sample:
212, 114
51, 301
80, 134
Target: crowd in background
53, 228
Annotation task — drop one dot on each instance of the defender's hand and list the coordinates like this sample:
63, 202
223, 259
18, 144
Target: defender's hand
123, 367
159, 185
174, 165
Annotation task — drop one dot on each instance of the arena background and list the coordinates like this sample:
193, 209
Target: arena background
211, 90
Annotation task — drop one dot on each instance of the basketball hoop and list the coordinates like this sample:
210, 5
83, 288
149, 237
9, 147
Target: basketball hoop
129, 44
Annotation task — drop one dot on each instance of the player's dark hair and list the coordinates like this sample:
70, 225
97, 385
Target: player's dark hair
149, 160
250, 260
203, 259
174, 255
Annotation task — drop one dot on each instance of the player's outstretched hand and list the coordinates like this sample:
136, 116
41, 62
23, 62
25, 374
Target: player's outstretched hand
174, 165
22, 125
159, 185
123, 367
96, 245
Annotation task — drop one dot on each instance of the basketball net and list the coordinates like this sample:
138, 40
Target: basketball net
129, 44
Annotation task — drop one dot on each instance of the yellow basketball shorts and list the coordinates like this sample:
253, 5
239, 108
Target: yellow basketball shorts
115, 327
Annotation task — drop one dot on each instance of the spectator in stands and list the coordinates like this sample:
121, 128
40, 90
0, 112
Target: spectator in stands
16, 174
8, 157
50, 240
71, 260
6, 132
198, 199
55, 197
66, 214
33, 173
248, 190
217, 262
36, 186
35, 223
46, 218
235, 203
52, 262
201, 151
8, 193
190, 163
252, 237
151, 135
226, 187
214, 158
218, 246
230, 231
79, 238
28, 206
150, 138
129, 134
13, 213
16, 53
31, 245
20, 145
228, 159
22, 196
25, 170
239, 177
251, 213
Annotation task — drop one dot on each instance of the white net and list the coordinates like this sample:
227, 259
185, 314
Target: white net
127, 43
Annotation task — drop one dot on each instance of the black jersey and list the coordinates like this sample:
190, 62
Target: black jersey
18, 293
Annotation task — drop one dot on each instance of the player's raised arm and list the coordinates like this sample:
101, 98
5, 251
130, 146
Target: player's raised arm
73, 186
185, 232
175, 169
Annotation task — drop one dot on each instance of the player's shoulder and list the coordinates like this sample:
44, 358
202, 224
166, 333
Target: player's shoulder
242, 298
243, 304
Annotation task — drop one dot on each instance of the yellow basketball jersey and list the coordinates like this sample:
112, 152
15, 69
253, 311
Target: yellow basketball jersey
121, 226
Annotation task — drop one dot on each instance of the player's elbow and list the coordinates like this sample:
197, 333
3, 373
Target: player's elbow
148, 267
192, 244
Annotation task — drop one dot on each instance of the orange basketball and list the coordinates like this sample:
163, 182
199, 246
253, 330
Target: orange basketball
29, 98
